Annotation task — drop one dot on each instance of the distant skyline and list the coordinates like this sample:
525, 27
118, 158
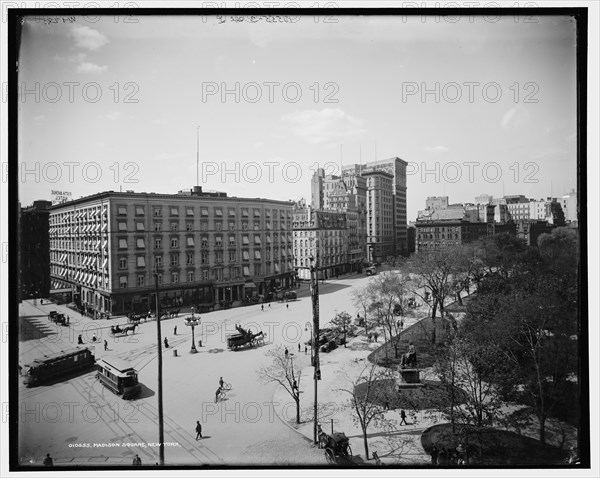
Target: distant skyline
263, 104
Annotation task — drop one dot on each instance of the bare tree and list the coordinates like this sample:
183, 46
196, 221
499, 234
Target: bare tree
436, 274
285, 372
386, 293
367, 394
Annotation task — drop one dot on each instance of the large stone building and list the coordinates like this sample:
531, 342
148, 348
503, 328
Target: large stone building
445, 228
34, 250
347, 195
439, 227
202, 248
320, 240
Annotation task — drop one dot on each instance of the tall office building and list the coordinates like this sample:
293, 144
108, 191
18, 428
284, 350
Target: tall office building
396, 168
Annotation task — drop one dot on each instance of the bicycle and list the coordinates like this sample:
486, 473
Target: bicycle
222, 395
226, 386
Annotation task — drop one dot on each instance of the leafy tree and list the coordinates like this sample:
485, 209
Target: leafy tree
530, 306
558, 215
284, 371
361, 301
342, 324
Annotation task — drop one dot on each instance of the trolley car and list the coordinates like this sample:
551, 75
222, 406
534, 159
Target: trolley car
118, 376
55, 365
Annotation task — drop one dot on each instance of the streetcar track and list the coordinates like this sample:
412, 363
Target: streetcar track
120, 428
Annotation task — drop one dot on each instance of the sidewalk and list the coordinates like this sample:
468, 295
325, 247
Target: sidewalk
395, 444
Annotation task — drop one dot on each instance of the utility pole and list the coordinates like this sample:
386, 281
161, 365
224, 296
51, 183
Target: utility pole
314, 278
161, 429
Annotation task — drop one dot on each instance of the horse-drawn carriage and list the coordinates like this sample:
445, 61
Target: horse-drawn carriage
170, 313
58, 318
337, 447
118, 330
244, 338
133, 318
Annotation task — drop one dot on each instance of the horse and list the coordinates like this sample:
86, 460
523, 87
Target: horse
128, 328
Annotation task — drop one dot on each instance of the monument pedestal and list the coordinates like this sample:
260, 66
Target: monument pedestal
409, 378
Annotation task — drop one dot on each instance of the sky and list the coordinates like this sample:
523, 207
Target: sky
475, 105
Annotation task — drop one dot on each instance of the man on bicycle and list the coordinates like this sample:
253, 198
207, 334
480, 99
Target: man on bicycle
221, 382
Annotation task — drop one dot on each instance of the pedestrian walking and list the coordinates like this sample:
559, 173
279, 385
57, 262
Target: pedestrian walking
375, 336
295, 385
403, 417
48, 460
166, 343
105, 345
80, 340
68, 320
305, 349
298, 346
287, 306
269, 305
262, 307
137, 461
386, 405
198, 430
434, 455
175, 330
369, 337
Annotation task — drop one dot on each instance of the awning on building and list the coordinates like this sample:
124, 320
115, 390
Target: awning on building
250, 285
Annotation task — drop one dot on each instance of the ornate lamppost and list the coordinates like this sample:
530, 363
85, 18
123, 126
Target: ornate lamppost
193, 322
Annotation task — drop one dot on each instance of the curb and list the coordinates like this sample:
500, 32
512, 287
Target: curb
310, 440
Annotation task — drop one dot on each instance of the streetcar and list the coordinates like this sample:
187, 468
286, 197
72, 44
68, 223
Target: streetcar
118, 376
55, 365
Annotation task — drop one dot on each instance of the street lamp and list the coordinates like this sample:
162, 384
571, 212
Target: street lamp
307, 327
192, 322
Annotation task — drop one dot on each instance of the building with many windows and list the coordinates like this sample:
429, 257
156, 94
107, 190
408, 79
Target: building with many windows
444, 228
202, 248
347, 195
320, 240
380, 215
395, 167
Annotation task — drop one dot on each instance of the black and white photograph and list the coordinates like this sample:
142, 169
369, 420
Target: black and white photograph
326, 237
